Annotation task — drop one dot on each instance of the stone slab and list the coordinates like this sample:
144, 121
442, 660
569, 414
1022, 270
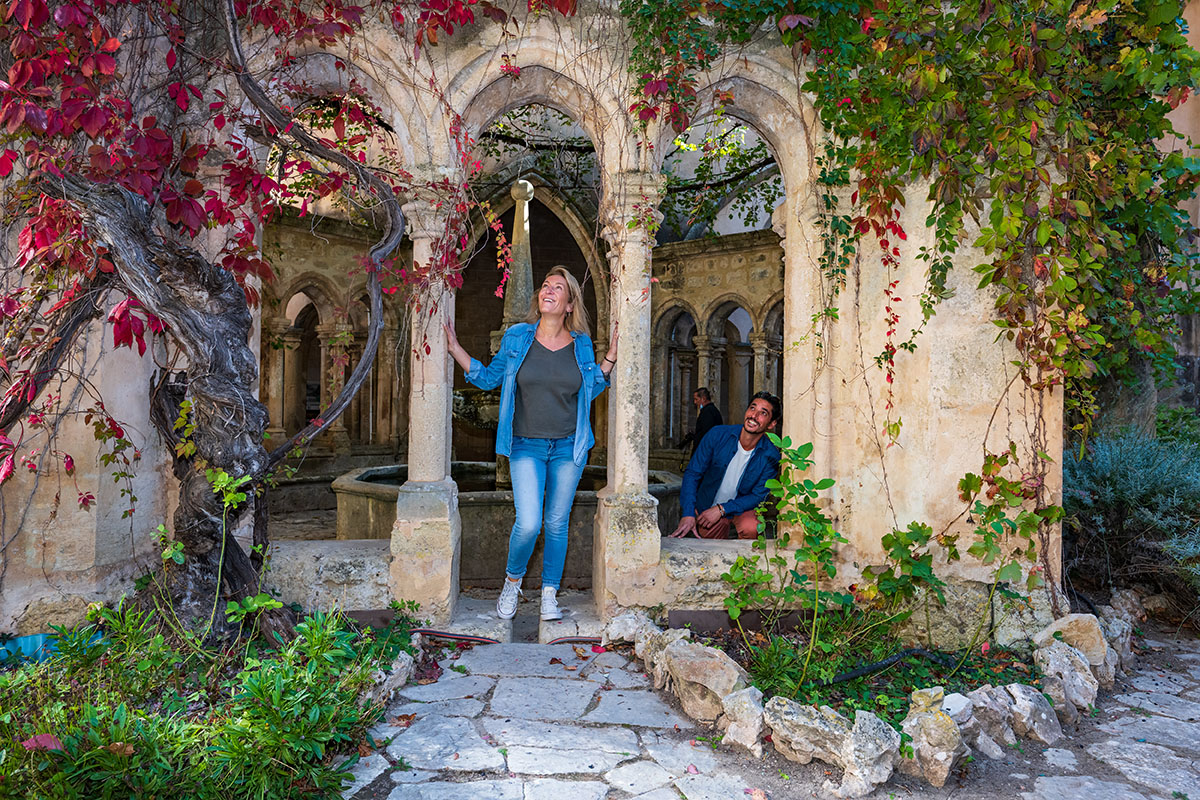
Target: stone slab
451, 686
580, 620
1167, 731
675, 756
664, 793
639, 777
712, 787
1063, 759
638, 708
1159, 682
476, 616
521, 660
412, 775
445, 743
620, 678
1149, 765
1161, 703
364, 772
609, 660
525, 760
553, 789
510, 789
516, 732
462, 707
542, 698
1079, 788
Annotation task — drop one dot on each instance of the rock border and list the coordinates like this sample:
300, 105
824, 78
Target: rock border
1077, 654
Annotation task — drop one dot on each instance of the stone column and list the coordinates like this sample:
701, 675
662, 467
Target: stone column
740, 389
518, 289
294, 382
627, 539
684, 410
763, 379
384, 384
333, 339
805, 419
704, 364
428, 531
660, 395
272, 386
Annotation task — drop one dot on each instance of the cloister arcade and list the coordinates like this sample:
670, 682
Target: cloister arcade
736, 313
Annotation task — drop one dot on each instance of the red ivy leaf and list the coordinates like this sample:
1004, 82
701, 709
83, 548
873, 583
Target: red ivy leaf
43, 741
7, 467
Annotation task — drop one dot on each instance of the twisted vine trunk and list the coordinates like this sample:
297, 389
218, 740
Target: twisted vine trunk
205, 310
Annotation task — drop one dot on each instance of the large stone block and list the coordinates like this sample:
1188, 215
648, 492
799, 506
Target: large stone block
702, 676
350, 575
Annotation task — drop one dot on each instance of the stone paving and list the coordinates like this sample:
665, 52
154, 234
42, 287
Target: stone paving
562, 722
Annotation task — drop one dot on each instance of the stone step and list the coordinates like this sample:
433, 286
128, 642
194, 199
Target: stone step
579, 618
476, 616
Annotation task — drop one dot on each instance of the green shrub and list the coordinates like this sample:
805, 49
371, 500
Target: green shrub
1133, 514
147, 713
1177, 424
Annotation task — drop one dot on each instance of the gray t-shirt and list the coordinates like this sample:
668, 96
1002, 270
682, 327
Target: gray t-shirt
548, 385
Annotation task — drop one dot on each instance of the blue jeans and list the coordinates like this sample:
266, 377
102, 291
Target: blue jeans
543, 472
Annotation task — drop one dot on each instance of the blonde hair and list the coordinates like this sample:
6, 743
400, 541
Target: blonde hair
577, 319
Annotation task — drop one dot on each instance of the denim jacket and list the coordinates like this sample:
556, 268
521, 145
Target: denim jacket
706, 470
502, 372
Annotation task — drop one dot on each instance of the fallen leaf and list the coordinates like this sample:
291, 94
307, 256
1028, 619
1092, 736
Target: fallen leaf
691, 770
556, 661
364, 750
756, 794
43, 741
569, 668
598, 649
402, 720
121, 749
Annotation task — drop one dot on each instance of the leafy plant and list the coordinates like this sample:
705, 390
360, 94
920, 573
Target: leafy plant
129, 709
774, 585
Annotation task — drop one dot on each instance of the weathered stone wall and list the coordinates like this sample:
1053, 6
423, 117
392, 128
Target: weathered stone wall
57, 557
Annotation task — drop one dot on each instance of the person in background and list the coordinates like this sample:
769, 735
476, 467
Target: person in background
548, 376
707, 418
727, 477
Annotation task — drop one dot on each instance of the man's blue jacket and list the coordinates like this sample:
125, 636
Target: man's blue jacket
707, 468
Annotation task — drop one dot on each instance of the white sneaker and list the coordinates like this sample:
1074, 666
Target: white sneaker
506, 605
550, 609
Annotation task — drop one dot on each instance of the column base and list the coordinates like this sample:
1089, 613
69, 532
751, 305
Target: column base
426, 541
627, 545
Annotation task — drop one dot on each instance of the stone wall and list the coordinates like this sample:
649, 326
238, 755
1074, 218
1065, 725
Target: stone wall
57, 557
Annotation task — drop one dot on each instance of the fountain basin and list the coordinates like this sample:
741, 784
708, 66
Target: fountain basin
366, 509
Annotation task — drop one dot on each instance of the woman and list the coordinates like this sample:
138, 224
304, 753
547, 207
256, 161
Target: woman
548, 375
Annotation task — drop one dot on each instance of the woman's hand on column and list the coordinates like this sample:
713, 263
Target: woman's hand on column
456, 350
610, 358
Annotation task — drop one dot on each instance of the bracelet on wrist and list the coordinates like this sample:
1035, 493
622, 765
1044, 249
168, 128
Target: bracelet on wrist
610, 360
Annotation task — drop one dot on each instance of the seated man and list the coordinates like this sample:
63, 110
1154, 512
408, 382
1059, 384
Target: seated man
726, 478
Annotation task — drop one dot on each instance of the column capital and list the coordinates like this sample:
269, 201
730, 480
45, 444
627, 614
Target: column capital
276, 325
630, 205
424, 221
702, 343
759, 339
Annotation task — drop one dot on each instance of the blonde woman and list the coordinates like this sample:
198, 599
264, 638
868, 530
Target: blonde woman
548, 374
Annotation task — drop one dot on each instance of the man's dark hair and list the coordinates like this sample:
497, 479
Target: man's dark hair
776, 403
705, 395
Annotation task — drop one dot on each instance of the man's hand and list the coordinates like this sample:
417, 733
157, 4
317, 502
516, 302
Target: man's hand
687, 525
711, 517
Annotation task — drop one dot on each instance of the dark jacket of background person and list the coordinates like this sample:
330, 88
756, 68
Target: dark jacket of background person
708, 418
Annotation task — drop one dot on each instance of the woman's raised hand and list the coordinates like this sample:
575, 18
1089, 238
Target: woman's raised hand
454, 348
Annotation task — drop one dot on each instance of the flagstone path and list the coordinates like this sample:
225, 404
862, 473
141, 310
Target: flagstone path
557, 722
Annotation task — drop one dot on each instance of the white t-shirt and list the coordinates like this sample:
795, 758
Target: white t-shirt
733, 474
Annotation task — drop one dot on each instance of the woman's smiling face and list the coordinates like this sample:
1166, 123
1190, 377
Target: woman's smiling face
554, 297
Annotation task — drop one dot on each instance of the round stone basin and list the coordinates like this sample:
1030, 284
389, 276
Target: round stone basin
366, 509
